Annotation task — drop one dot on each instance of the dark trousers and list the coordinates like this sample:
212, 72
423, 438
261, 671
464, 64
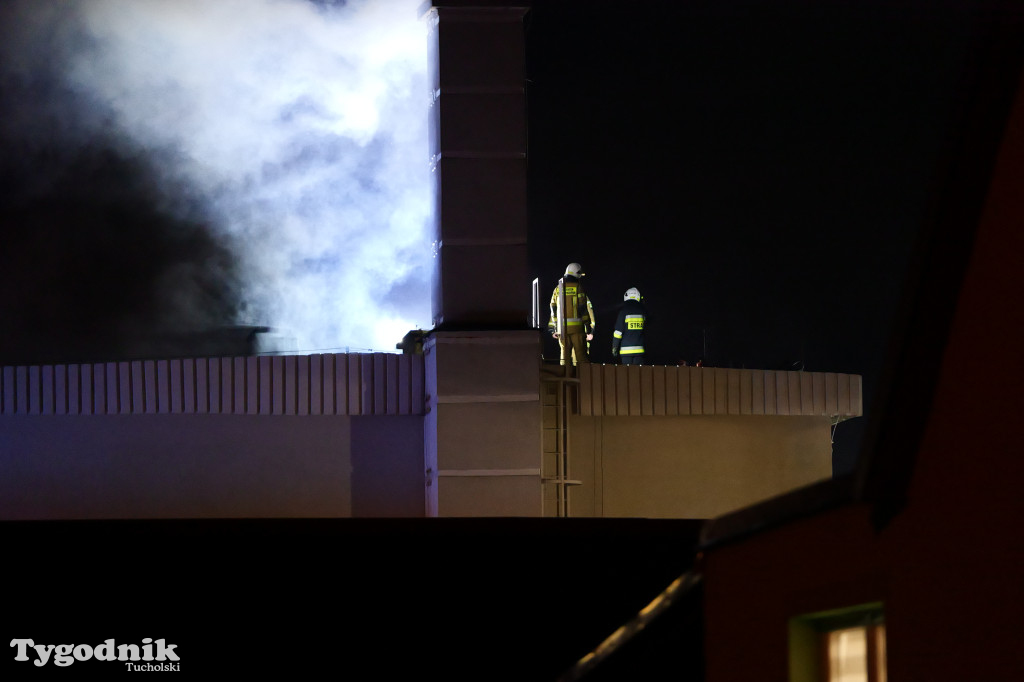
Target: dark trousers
633, 359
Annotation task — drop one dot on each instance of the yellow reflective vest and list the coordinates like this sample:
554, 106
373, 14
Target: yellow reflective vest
579, 313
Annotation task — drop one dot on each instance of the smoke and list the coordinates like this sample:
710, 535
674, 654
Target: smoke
294, 131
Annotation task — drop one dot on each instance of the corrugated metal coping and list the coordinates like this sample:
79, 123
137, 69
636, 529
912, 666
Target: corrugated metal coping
335, 384
622, 390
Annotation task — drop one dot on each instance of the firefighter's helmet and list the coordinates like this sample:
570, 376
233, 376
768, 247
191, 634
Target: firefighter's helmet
574, 270
631, 293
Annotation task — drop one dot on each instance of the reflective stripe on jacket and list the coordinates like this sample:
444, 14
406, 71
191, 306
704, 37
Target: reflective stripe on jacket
628, 335
578, 309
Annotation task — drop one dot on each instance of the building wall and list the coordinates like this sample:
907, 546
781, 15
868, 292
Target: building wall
753, 588
297, 436
938, 538
483, 424
619, 391
351, 435
692, 467
692, 442
209, 466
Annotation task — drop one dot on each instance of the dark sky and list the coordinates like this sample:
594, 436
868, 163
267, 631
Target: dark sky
759, 170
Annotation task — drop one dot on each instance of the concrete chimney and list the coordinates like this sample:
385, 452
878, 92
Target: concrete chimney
482, 430
478, 156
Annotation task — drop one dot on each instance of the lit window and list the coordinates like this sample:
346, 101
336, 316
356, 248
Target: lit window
845, 645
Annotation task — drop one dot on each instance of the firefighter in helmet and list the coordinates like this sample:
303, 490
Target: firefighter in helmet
628, 336
572, 316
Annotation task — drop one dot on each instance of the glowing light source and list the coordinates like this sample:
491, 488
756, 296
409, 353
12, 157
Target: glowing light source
842, 645
848, 655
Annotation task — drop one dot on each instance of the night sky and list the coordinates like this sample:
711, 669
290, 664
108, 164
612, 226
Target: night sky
759, 170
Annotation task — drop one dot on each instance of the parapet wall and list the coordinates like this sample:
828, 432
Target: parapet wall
275, 437
621, 391
335, 384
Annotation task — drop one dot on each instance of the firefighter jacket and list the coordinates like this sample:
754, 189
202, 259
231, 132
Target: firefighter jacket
628, 336
579, 313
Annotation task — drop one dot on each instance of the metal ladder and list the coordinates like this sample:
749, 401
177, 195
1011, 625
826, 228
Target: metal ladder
558, 396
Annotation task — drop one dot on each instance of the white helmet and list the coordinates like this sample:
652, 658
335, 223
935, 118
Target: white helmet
631, 293
574, 270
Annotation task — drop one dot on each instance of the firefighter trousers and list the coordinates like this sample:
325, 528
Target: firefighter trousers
577, 345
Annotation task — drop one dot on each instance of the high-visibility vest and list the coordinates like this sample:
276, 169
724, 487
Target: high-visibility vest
570, 303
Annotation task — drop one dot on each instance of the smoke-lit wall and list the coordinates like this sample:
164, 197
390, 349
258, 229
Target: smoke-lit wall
178, 164
323, 435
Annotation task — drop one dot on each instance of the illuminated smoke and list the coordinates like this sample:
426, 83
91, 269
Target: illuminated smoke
299, 127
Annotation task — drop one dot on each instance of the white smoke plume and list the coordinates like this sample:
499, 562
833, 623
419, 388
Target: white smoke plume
299, 126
